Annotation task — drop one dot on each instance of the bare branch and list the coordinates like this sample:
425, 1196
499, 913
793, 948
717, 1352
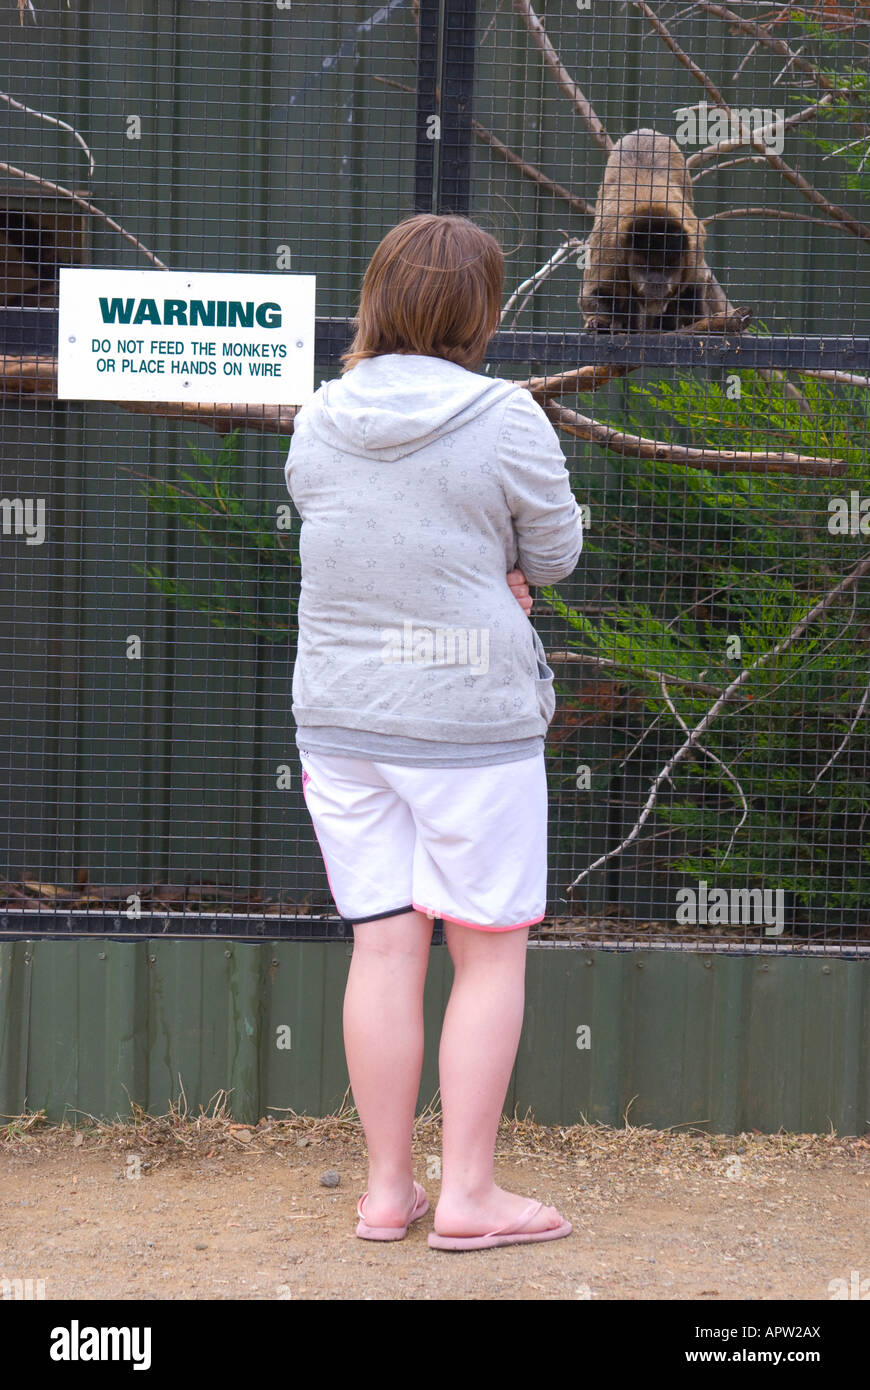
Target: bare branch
563, 77
36, 377
664, 774
771, 374
680, 54
87, 205
713, 758
530, 171
715, 460
850, 145
563, 252
835, 755
833, 210
766, 212
589, 378
729, 164
51, 120
593, 377
760, 33
743, 61
267, 419
842, 378
862, 139
586, 659
646, 733
793, 59
726, 146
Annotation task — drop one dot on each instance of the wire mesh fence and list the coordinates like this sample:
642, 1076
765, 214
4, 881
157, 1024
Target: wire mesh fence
681, 192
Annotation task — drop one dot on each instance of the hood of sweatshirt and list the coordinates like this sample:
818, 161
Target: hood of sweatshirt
389, 406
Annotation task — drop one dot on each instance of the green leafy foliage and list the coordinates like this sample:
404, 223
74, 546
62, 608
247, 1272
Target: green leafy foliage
257, 564
849, 106
711, 572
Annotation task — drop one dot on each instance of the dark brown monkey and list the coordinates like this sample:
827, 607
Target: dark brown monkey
645, 266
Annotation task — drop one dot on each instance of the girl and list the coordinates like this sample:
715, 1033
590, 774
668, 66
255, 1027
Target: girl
429, 495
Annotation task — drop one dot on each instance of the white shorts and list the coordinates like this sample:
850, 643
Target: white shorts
465, 844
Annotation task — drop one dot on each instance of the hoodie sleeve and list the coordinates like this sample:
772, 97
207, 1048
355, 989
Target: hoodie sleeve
546, 515
288, 467
298, 446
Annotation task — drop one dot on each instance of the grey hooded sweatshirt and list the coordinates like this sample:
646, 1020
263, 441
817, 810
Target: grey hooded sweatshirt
420, 484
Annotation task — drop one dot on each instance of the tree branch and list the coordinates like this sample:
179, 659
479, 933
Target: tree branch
760, 33
809, 191
664, 33
593, 377
267, 419
842, 378
570, 246
835, 755
767, 212
729, 164
816, 612
713, 758
530, 171
581, 105
36, 377
83, 203
586, 659
726, 146
715, 460
589, 378
50, 120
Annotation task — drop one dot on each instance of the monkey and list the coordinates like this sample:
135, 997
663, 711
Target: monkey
645, 268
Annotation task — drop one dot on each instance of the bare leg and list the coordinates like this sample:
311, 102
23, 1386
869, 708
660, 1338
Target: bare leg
479, 1040
383, 1039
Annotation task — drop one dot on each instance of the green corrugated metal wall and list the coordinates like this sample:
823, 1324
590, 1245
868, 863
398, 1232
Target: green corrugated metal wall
723, 1042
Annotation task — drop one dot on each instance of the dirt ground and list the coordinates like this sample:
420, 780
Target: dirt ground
174, 1208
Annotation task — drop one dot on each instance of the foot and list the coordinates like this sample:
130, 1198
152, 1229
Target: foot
389, 1204
460, 1216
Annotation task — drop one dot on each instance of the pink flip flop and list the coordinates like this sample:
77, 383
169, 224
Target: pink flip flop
505, 1235
420, 1207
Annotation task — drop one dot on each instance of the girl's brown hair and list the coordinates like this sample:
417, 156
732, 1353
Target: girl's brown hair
433, 286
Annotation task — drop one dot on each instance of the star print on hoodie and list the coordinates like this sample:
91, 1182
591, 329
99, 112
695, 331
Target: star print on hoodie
420, 484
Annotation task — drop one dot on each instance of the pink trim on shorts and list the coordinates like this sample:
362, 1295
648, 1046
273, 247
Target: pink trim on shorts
445, 917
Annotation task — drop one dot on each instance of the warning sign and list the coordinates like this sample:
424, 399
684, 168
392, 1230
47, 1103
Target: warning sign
155, 335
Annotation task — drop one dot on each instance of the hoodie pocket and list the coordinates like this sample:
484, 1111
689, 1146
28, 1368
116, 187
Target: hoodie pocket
544, 681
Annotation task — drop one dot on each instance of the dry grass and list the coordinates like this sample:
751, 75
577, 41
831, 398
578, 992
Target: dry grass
178, 1135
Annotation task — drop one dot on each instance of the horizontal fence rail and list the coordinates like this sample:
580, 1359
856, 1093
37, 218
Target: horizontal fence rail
29, 332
